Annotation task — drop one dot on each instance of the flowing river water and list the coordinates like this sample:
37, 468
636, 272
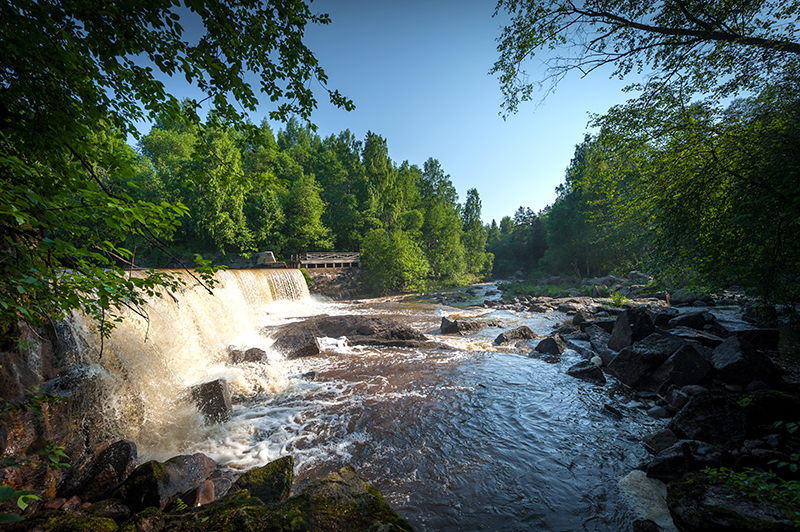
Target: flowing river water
466, 436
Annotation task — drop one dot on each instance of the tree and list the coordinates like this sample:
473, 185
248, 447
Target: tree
442, 226
71, 68
715, 47
303, 208
394, 262
475, 235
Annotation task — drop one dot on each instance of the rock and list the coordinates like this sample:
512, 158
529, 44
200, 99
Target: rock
645, 525
55, 504
111, 508
59, 521
213, 399
520, 333
685, 366
662, 316
686, 456
159, 484
699, 505
460, 326
737, 362
760, 338
359, 330
631, 326
199, 496
581, 316
712, 419
634, 362
607, 325
702, 337
693, 320
676, 398
587, 371
552, 345
658, 412
254, 354
658, 441
297, 343
270, 483
598, 338
112, 466
71, 504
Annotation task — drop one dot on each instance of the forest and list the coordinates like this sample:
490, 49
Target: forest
296, 191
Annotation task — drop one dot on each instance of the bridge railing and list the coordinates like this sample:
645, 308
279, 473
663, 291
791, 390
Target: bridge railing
331, 259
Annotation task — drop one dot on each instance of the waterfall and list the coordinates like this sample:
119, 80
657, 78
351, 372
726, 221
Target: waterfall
148, 365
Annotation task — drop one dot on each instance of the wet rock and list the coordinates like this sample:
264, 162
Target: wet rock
598, 338
713, 419
606, 324
587, 371
552, 345
737, 362
112, 466
686, 456
698, 505
684, 367
254, 354
270, 483
659, 441
760, 338
631, 326
213, 399
460, 326
646, 525
636, 361
359, 330
297, 343
199, 496
520, 333
159, 484
702, 337
658, 412
112, 508
693, 320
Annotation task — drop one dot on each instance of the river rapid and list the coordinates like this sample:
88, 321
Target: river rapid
466, 436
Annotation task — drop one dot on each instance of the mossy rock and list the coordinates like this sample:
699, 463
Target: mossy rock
270, 483
340, 502
59, 521
699, 505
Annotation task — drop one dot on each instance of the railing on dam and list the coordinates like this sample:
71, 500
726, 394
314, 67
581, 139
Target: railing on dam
330, 259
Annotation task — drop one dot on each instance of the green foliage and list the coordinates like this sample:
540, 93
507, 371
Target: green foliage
618, 300
23, 499
718, 47
763, 486
394, 262
307, 277
75, 201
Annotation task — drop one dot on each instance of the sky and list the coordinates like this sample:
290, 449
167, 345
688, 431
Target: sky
417, 71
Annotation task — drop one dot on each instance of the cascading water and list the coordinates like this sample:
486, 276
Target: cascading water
467, 436
150, 362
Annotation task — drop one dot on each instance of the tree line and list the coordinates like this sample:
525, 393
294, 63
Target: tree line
297, 191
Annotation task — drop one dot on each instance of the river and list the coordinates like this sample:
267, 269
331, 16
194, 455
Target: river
461, 437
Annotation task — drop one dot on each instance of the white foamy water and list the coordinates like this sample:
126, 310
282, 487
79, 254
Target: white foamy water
464, 436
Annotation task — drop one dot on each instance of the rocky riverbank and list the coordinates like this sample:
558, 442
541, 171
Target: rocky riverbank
730, 407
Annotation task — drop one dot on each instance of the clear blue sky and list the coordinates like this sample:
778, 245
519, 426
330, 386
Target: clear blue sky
417, 71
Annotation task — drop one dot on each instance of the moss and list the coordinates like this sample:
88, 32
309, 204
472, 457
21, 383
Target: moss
270, 483
58, 521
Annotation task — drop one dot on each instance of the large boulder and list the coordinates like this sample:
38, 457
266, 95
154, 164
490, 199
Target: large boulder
588, 371
213, 399
700, 505
460, 326
703, 338
520, 333
760, 338
685, 456
717, 420
636, 361
693, 320
552, 345
270, 483
159, 484
684, 367
632, 326
112, 465
736, 361
300, 338
598, 338
252, 355
339, 502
